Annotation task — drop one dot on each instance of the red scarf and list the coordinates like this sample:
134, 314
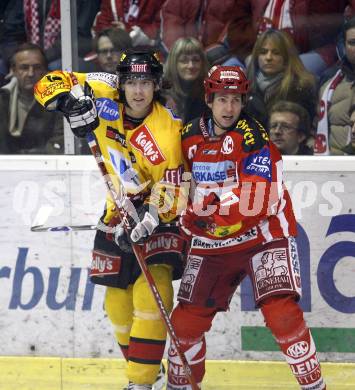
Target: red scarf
51, 23
321, 142
276, 15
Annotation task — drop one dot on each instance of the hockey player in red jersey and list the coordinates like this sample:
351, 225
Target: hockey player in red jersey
240, 222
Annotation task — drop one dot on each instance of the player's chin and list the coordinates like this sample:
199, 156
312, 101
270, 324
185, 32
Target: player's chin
139, 103
228, 121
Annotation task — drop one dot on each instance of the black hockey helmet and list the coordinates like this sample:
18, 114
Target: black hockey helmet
139, 64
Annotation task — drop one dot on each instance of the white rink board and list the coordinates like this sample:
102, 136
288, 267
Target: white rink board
38, 316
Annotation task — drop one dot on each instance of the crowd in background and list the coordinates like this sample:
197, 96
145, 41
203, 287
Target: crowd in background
298, 55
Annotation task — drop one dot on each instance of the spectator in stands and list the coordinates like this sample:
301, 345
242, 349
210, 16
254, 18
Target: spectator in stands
42, 21
186, 67
25, 127
337, 99
350, 148
313, 24
108, 46
276, 73
141, 19
206, 21
12, 31
290, 127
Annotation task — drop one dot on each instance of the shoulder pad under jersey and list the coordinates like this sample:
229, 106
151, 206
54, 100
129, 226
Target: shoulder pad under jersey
253, 132
108, 79
191, 128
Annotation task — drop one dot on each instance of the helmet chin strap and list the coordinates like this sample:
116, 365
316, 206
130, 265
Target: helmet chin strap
225, 128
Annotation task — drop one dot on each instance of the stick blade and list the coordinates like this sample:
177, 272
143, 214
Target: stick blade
42, 216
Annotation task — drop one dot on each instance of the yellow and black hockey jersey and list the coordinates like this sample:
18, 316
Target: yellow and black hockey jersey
140, 159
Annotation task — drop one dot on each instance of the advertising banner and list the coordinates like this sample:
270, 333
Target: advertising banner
48, 307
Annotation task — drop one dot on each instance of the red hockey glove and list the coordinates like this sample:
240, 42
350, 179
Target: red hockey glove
206, 219
194, 225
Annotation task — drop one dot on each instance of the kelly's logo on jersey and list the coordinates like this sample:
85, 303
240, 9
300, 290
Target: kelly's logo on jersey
258, 164
107, 109
144, 142
167, 242
103, 264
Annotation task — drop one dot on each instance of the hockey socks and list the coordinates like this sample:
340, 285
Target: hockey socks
285, 319
190, 324
195, 352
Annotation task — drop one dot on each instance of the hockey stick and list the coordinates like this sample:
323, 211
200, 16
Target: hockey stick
63, 228
39, 221
95, 149
76, 228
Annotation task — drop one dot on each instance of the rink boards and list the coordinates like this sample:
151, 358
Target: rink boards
108, 374
48, 308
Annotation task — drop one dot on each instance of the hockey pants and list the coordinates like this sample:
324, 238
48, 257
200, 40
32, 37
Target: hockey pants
283, 317
138, 328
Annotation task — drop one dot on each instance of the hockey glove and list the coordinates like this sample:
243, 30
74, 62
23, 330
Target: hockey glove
195, 219
79, 108
120, 237
115, 232
193, 225
148, 221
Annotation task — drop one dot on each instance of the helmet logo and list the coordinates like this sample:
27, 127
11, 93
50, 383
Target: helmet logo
139, 68
228, 74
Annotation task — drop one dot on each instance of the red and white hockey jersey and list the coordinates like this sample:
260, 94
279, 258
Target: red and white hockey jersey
239, 198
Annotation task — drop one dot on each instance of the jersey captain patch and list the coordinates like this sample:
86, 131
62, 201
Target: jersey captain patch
144, 142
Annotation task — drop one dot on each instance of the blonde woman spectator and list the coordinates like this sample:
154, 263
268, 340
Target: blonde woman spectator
313, 25
276, 73
186, 68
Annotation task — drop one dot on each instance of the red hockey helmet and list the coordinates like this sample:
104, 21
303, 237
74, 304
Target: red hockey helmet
230, 79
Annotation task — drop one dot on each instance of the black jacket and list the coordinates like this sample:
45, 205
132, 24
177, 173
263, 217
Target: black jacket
259, 108
42, 133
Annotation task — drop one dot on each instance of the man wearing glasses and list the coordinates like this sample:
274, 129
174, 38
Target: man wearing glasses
289, 127
108, 47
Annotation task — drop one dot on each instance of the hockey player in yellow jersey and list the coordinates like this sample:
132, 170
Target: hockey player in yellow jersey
140, 142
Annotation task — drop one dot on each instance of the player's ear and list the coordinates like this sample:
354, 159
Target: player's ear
209, 104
